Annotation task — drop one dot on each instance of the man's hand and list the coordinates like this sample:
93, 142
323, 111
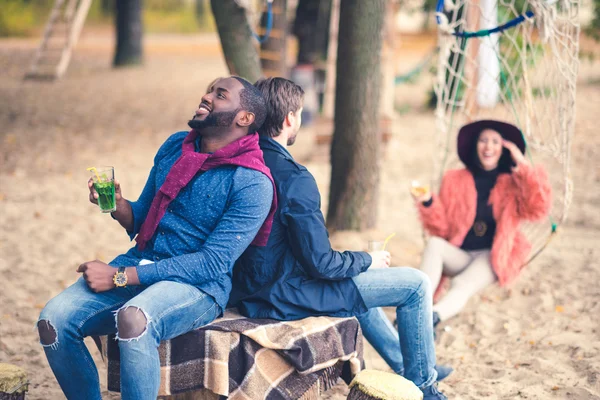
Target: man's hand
94, 194
98, 275
123, 214
380, 259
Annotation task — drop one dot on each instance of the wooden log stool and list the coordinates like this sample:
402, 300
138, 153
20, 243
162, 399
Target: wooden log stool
13, 382
378, 385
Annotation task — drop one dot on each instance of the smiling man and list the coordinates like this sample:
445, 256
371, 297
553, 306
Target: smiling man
209, 195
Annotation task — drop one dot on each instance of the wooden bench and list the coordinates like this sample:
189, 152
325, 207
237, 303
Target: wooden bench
243, 358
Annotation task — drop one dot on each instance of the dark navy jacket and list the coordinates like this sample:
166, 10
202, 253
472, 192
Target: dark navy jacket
297, 274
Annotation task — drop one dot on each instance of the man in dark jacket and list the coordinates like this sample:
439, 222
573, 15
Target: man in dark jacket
298, 274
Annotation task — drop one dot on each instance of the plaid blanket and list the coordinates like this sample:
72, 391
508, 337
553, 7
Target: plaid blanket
245, 358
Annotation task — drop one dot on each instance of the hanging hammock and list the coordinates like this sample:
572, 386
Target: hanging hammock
514, 61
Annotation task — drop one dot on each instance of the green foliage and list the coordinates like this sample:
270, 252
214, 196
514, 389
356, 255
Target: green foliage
594, 28
177, 19
101, 12
20, 18
27, 17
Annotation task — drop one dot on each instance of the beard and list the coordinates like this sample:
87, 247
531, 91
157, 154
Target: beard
291, 140
223, 119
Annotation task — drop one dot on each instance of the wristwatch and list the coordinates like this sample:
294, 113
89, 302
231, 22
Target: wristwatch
120, 278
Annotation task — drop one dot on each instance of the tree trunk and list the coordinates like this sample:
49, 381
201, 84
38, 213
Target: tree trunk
355, 156
128, 20
273, 50
200, 9
306, 28
239, 47
107, 7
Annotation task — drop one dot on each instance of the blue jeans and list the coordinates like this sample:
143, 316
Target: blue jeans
410, 351
165, 310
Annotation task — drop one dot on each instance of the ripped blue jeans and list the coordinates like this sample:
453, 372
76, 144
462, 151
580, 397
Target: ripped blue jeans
148, 314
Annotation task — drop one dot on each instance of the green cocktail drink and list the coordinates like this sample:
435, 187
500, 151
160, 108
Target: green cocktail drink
104, 185
106, 196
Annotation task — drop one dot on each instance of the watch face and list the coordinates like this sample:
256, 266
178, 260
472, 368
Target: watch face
120, 279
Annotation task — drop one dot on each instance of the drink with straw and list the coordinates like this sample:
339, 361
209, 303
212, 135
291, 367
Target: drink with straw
376, 245
104, 184
418, 189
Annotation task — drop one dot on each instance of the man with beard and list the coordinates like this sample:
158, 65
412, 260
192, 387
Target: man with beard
298, 274
208, 196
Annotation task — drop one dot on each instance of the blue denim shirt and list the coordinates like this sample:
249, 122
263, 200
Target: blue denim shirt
205, 229
297, 274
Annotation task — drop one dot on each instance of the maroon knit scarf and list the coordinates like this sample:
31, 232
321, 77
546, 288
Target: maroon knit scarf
244, 152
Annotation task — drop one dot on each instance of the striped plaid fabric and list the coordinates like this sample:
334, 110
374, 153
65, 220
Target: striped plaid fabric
244, 358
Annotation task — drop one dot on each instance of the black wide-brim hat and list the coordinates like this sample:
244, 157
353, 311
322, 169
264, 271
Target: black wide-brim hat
470, 132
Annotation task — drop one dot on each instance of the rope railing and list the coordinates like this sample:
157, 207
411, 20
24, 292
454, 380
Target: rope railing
439, 10
269, 24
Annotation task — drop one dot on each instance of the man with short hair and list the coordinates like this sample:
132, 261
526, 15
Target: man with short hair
298, 275
208, 196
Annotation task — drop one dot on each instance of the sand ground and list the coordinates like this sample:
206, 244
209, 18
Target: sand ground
538, 339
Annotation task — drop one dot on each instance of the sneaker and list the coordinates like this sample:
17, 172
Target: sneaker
443, 371
432, 393
436, 322
436, 319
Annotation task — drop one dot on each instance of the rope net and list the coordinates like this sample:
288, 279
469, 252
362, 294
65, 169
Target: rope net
514, 61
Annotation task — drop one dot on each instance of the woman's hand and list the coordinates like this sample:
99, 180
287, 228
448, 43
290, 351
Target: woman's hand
515, 153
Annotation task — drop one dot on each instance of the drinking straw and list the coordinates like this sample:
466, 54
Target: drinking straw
93, 169
387, 239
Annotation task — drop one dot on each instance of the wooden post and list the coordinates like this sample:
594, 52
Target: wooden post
488, 77
13, 382
78, 14
470, 69
273, 51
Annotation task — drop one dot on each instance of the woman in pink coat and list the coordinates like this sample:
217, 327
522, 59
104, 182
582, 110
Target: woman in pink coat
474, 222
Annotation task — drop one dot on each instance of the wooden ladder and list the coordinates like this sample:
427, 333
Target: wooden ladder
60, 36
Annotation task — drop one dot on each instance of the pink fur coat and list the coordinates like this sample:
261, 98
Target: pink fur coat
523, 195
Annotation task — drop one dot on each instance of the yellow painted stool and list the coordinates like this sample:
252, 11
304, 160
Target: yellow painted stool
378, 385
13, 382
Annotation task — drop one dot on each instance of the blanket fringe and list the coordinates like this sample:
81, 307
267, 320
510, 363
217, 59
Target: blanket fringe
327, 379
330, 376
313, 393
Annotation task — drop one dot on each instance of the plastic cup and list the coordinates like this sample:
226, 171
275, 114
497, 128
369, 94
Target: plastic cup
375, 245
104, 184
418, 189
